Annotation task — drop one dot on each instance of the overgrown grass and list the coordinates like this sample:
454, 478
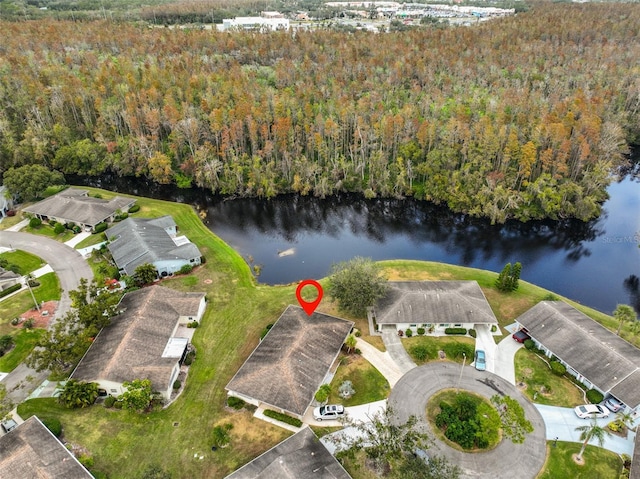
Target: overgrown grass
542, 386
367, 381
25, 341
453, 346
598, 463
14, 306
27, 262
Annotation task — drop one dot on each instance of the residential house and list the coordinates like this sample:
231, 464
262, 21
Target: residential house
6, 201
136, 241
433, 305
8, 279
299, 456
31, 451
148, 339
591, 353
76, 206
289, 365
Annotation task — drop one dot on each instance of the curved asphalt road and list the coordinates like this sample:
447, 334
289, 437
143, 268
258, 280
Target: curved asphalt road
70, 267
508, 460
67, 263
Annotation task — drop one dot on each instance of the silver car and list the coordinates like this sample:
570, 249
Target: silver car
330, 411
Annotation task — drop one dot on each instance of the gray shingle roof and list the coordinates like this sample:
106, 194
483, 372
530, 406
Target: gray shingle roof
635, 462
137, 241
288, 366
131, 346
606, 360
297, 457
417, 302
31, 451
74, 205
6, 275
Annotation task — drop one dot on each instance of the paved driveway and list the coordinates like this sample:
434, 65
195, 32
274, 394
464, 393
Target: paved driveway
561, 422
507, 460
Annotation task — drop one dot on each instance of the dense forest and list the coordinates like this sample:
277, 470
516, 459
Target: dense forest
523, 117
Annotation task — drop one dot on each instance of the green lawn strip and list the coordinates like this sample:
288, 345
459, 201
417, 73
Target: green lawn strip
9, 221
534, 372
91, 240
27, 262
45, 230
25, 341
367, 381
599, 463
453, 346
14, 306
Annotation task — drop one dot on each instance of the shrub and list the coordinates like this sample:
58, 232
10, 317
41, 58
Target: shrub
614, 426
472, 333
357, 351
177, 384
494, 328
134, 209
559, 369
323, 393
193, 324
420, 352
118, 404
186, 269
265, 331
283, 418
408, 333
53, 424
529, 344
594, 396
70, 225
100, 228
58, 229
10, 289
421, 331
123, 216
28, 324
235, 402
6, 343
15, 321
109, 401
35, 222
460, 331
52, 223
76, 229
86, 461
221, 437
357, 334
33, 283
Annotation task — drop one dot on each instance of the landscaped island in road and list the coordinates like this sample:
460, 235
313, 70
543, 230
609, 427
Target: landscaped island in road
238, 310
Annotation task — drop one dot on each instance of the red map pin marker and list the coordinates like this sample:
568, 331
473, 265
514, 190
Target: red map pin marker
309, 308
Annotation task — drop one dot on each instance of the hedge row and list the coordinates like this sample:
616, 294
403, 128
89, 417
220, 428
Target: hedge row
10, 289
460, 331
283, 418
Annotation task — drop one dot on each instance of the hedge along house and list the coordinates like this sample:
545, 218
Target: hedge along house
148, 339
434, 306
76, 206
137, 241
591, 353
288, 366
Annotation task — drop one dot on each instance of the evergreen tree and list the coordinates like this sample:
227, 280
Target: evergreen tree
515, 276
502, 282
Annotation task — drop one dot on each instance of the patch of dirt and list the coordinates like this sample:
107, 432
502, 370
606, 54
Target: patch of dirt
527, 372
40, 318
578, 461
522, 386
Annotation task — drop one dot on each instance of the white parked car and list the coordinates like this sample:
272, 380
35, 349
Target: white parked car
330, 411
591, 410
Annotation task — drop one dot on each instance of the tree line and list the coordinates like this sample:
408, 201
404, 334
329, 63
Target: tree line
524, 117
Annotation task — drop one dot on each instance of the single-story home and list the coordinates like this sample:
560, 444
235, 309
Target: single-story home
136, 241
76, 206
6, 201
148, 339
31, 451
299, 456
8, 279
433, 305
289, 365
596, 356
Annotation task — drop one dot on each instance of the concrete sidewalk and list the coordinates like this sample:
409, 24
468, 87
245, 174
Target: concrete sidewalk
77, 239
383, 362
561, 423
396, 350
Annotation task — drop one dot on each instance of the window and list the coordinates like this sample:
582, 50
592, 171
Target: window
114, 390
443, 325
192, 260
458, 325
413, 325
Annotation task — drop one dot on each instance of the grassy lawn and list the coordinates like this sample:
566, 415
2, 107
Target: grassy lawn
453, 346
368, 383
25, 341
45, 230
535, 373
91, 240
9, 221
26, 261
49, 290
599, 463
238, 310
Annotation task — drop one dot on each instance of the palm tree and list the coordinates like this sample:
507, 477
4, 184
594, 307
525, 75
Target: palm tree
623, 313
592, 431
77, 394
624, 419
350, 342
